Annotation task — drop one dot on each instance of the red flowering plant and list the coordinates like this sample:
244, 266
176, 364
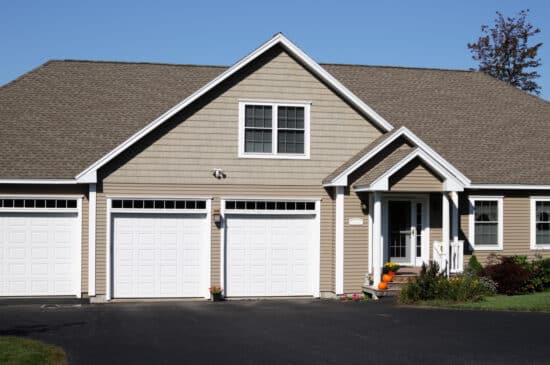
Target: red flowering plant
216, 290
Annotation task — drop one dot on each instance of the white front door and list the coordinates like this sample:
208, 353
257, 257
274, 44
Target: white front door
159, 255
405, 237
270, 255
37, 254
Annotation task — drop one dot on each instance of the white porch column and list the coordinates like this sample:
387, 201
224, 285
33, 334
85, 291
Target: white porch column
339, 240
445, 229
91, 238
377, 239
454, 215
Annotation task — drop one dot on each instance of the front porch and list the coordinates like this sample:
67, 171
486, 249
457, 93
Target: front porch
409, 195
405, 228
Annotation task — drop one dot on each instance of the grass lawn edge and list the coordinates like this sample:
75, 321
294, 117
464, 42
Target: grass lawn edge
21, 351
531, 303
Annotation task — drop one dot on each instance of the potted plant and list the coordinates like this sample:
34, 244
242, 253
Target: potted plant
391, 268
216, 293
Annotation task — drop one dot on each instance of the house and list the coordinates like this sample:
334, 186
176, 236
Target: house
277, 176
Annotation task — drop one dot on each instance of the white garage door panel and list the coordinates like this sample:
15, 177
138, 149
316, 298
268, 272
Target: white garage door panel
159, 255
270, 255
37, 254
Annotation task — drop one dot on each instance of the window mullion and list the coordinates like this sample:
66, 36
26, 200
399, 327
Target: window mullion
275, 132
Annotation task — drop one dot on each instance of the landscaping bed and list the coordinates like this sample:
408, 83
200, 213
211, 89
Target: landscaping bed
504, 283
23, 351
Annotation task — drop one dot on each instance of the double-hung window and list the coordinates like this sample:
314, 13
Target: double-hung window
274, 130
540, 223
486, 223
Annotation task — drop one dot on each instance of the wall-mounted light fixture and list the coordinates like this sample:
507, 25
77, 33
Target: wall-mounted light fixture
217, 217
219, 174
364, 207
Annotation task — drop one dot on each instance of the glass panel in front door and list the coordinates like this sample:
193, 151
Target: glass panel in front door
399, 229
418, 233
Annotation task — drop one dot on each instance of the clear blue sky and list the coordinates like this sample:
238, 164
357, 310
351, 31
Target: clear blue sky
403, 33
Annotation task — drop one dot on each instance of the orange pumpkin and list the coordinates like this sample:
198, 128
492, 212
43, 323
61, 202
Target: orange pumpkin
387, 278
383, 286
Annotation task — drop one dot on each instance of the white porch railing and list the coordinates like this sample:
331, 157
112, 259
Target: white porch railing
449, 258
457, 257
440, 255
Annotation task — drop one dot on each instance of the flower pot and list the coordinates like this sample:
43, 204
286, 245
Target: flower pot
392, 273
387, 278
217, 297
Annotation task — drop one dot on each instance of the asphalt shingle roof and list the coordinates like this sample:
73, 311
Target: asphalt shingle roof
61, 117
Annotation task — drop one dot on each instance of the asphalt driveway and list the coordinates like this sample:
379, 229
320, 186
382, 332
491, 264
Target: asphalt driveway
281, 332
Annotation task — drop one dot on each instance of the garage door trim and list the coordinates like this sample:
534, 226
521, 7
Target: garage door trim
77, 252
169, 211
224, 212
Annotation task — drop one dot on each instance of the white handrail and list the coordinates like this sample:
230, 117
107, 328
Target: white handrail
457, 257
439, 255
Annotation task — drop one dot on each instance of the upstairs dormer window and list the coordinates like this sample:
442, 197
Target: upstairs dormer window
274, 130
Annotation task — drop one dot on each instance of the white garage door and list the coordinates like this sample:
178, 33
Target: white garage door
159, 255
270, 255
39, 254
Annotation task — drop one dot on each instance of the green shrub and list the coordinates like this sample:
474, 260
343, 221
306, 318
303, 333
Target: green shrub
539, 270
474, 267
431, 285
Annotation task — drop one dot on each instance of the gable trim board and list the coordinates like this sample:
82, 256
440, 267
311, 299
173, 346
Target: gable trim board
278, 39
451, 183
427, 152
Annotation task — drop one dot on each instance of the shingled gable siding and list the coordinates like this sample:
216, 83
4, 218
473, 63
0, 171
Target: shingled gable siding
516, 227
415, 177
179, 161
81, 190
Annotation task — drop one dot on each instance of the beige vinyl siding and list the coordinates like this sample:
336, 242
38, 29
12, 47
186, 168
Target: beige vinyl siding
77, 190
217, 193
517, 226
356, 243
208, 138
415, 177
179, 160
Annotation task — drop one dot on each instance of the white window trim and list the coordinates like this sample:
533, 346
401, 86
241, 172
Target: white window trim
274, 154
500, 204
533, 223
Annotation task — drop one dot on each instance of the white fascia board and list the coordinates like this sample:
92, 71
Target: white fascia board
451, 183
88, 178
38, 181
509, 187
342, 179
278, 39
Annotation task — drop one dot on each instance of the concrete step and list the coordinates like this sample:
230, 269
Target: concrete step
377, 293
404, 278
395, 285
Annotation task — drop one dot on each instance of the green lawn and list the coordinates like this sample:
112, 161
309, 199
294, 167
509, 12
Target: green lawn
537, 302
22, 351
